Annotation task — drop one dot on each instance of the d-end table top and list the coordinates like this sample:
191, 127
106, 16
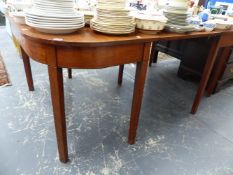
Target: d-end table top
87, 37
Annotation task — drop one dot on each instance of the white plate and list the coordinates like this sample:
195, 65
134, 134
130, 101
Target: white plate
113, 32
53, 24
39, 13
53, 27
172, 8
180, 29
54, 2
62, 10
56, 31
55, 18
112, 24
112, 10
118, 30
177, 12
113, 27
54, 21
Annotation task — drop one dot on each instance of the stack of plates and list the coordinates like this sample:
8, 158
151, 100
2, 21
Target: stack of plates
178, 17
112, 18
180, 29
178, 4
56, 17
181, 18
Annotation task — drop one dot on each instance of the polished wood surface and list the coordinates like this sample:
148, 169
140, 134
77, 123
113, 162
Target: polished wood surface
57, 95
226, 39
99, 56
140, 77
88, 37
88, 49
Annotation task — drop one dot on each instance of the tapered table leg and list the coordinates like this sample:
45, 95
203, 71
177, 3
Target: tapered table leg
69, 73
140, 77
154, 54
218, 71
120, 75
206, 74
27, 68
57, 95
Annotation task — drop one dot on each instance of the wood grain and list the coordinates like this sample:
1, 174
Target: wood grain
98, 57
86, 37
57, 95
140, 78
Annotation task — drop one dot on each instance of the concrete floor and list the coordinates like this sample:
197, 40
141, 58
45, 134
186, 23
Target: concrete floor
170, 141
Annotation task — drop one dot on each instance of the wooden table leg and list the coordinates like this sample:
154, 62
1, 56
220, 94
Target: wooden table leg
121, 73
69, 73
140, 77
57, 95
218, 71
154, 54
27, 68
206, 74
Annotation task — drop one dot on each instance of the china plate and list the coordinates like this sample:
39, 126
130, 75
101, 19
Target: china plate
180, 29
39, 13
54, 21
54, 18
126, 25
53, 27
177, 12
53, 24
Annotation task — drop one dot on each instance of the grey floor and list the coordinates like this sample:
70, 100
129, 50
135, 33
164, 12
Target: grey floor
170, 141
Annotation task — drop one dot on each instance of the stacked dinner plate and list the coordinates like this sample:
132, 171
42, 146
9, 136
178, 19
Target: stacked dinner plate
55, 17
112, 18
178, 17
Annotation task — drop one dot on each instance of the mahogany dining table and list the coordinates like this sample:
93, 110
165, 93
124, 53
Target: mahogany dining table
86, 49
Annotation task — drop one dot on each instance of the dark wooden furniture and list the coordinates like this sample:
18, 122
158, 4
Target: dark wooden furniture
223, 69
90, 50
193, 54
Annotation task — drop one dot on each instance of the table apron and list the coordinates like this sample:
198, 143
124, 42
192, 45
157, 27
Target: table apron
39, 52
99, 57
83, 57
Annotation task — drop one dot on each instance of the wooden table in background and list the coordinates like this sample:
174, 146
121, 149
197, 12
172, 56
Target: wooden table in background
86, 49
225, 43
